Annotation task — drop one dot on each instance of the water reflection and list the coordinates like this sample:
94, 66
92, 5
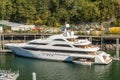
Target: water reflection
50, 70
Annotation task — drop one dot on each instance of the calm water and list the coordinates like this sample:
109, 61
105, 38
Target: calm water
49, 70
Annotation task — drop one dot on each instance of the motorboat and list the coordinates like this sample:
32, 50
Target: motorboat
82, 61
61, 47
8, 75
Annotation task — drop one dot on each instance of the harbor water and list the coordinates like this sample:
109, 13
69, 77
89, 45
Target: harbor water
52, 70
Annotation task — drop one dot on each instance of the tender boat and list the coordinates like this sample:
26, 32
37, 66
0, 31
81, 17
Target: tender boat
83, 61
8, 75
62, 47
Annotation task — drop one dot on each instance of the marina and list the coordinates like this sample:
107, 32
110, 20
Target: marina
60, 40
79, 60
59, 70
64, 47
83, 63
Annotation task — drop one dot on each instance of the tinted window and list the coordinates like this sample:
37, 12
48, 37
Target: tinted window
39, 43
62, 45
59, 40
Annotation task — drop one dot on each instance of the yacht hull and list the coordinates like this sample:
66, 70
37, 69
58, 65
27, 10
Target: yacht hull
41, 54
56, 56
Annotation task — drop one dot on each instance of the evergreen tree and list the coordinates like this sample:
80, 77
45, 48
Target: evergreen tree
51, 12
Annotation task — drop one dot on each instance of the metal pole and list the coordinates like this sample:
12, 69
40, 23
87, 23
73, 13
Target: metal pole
33, 76
117, 48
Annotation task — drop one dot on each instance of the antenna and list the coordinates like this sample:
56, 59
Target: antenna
65, 31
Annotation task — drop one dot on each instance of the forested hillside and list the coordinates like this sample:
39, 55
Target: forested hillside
55, 12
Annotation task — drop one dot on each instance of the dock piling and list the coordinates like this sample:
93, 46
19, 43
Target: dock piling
101, 43
33, 76
117, 48
2, 42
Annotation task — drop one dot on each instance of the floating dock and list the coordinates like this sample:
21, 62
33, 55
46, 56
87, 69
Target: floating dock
5, 51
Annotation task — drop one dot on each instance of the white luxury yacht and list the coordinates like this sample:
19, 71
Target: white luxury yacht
63, 47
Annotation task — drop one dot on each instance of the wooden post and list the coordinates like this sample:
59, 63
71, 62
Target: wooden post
24, 38
90, 39
2, 42
34, 36
11, 38
101, 43
117, 48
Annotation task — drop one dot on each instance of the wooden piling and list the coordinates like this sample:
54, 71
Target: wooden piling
101, 43
33, 76
12, 38
2, 42
34, 36
24, 38
90, 39
117, 48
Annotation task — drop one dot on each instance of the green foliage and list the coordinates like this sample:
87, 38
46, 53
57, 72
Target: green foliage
6, 29
116, 23
5, 9
54, 12
81, 33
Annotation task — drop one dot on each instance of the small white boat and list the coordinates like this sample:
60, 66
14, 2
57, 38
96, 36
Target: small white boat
8, 75
82, 63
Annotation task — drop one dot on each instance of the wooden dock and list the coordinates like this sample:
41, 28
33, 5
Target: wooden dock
116, 59
5, 51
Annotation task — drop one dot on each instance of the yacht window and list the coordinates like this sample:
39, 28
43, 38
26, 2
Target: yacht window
77, 46
59, 40
72, 39
62, 45
80, 46
53, 50
38, 43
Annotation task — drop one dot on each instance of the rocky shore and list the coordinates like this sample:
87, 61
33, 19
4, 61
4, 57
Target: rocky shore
109, 46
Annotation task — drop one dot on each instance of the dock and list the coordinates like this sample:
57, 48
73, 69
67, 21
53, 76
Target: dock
5, 51
116, 59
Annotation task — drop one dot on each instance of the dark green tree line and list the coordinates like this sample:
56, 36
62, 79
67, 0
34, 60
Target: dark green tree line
55, 12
